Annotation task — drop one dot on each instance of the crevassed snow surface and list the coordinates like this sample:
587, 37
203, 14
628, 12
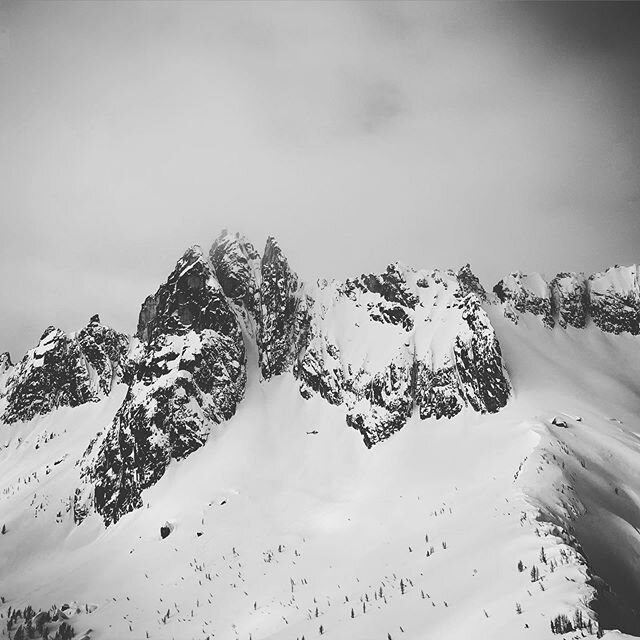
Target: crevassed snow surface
279, 530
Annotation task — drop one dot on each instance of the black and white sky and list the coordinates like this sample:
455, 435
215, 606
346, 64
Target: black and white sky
506, 135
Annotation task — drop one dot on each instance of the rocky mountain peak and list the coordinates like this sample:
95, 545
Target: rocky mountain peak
237, 265
5, 362
470, 282
105, 351
190, 300
381, 345
187, 374
65, 370
279, 304
51, 375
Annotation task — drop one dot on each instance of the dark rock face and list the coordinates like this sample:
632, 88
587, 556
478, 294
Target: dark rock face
236, 265
380, 404
6, 367
379, 345
65, 371
389, 365
319, 369
522, 293
610, 298
191, 300
291, 325
189, 372
105, 350
50, 376
279, 317
470, 283
266, 295
478, 360
147, 314
571, 299
5, 362
615, 299
392, 286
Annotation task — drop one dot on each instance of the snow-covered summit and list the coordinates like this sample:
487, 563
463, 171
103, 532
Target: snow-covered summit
382, 346
485, 504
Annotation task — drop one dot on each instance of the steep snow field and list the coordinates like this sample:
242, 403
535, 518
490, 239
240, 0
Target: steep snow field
285, 526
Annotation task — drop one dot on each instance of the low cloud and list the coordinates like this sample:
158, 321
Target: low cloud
357, 133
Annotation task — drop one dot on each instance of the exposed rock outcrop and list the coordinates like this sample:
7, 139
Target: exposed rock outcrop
380, 344
188, 373
6, 366
470, 282
106, 352
237, 266
65, 370
528, 293
279, 312
610, 298
614, 299
5, 362
570, 299
49, 376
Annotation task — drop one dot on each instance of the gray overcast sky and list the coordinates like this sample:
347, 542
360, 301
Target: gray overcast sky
505, 135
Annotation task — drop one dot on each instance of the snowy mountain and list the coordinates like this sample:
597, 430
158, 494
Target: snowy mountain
396, 455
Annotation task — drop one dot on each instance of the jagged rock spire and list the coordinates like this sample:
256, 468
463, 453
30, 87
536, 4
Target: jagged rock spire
59, 371
236, 265
5, 362
188, 373
279, 299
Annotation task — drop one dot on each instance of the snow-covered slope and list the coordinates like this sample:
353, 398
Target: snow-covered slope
218, 491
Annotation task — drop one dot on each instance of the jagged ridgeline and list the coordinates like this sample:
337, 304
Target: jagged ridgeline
63, 370
382, 346
610, 298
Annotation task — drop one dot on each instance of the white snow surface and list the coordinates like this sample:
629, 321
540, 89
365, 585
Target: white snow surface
624, 280
365, 344
291, 521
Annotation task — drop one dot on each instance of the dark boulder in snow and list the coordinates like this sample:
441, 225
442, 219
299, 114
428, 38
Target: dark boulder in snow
559, 422
165, 530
